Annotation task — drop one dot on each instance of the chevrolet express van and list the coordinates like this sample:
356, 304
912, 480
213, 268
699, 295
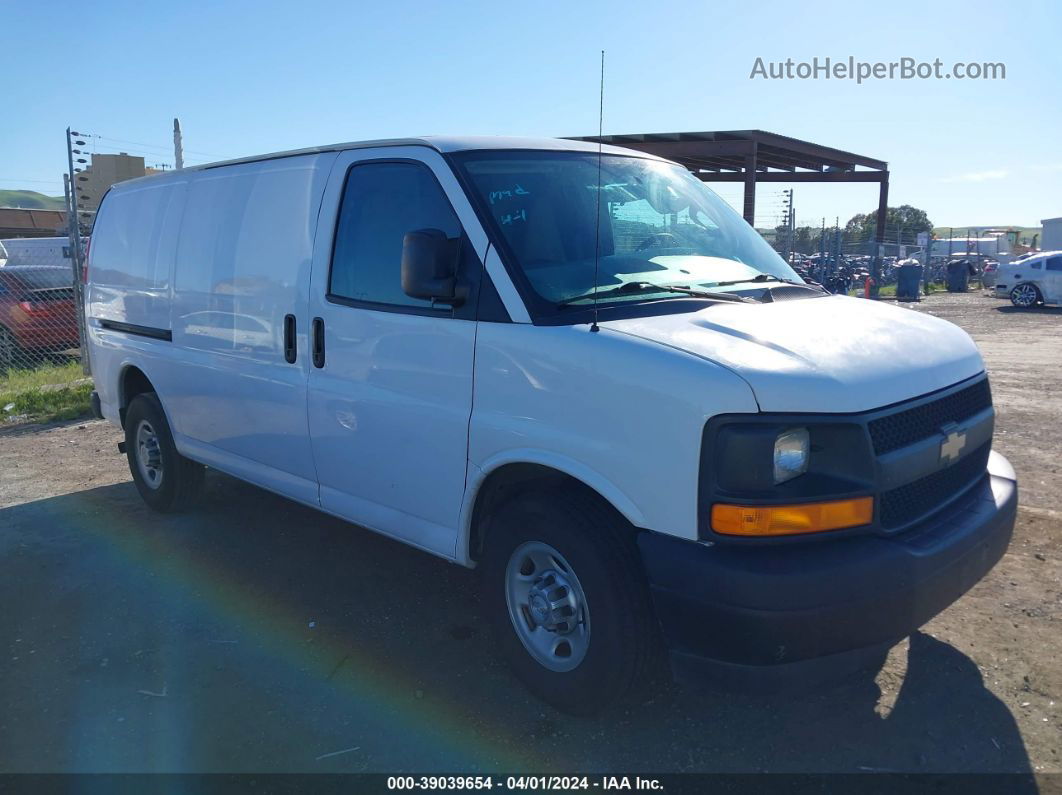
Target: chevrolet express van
577, 370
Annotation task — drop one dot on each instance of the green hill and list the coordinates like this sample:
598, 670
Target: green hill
30, 200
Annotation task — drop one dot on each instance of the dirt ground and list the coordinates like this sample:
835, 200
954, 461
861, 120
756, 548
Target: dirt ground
257, 635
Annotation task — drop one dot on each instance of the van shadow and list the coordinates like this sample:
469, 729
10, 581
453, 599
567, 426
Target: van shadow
257, 634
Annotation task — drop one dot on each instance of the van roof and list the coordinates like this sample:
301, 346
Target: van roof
440, 143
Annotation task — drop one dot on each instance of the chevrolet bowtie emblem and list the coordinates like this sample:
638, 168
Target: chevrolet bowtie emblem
952, 446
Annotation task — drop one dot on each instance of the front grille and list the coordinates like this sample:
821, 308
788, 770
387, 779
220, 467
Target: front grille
911, 501
911, 425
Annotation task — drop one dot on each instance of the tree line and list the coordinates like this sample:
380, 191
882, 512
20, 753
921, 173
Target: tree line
902, 224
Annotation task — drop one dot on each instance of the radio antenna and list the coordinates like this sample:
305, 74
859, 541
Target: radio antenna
597, 226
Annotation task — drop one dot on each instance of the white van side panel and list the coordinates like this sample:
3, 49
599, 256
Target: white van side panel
243, 263
133, 246
625, 417
389, 410
130, 279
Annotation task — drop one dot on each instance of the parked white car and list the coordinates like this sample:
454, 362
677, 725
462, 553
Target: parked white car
577, 370
1034, 279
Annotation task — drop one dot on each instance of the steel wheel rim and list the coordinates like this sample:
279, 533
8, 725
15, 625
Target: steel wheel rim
547, 606
1023, 295
148, 455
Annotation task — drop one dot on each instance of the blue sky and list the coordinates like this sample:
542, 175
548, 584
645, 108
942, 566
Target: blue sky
249, 77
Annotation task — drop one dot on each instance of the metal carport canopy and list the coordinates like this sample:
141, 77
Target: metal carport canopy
752, 156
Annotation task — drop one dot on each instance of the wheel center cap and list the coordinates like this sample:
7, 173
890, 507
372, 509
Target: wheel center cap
539, 608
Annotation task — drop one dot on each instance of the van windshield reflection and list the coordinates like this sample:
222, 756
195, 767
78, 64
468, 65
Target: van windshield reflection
658, 225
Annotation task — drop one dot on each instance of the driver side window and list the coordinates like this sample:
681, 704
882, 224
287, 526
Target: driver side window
381, 203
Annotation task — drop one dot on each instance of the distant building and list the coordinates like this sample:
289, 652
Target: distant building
1051, 238
15, 222
105, 171
996, 245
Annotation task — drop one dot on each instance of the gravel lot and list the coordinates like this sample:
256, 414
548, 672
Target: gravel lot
1023, 352
257, 635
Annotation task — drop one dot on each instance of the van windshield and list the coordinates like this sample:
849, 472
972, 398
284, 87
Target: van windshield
659, 226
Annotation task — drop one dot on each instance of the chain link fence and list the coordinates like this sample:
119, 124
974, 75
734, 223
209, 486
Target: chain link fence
41, 373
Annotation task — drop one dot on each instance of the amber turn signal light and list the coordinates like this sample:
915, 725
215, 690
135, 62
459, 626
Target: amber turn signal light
782, 520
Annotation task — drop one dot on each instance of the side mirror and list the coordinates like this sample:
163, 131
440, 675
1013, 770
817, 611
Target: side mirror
429, 266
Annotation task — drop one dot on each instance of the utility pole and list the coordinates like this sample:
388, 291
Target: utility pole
822, 250
76, 251
792, 224
178, 146
66, 197
836, 267
926, 239
787, 222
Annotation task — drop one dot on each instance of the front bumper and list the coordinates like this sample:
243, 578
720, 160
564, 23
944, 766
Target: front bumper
810, 611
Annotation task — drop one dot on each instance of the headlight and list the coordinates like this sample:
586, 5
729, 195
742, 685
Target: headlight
791, 450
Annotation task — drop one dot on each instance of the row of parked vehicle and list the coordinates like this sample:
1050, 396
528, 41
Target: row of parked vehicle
38, 315
839, 274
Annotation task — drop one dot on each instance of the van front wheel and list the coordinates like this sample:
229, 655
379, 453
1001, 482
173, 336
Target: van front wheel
567, 598
166, 480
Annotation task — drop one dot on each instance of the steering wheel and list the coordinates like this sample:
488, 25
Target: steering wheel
659, 239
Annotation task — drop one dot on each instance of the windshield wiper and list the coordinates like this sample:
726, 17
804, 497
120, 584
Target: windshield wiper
762, 277
633, 287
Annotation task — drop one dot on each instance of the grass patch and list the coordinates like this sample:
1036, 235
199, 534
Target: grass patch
887, 290
22, 380
45, 394
890, 290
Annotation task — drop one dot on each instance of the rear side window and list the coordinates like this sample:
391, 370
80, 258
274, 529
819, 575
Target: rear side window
1054, 264
381, 203
126, 238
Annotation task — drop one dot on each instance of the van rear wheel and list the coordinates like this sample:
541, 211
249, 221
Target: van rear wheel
566, 595
166, 480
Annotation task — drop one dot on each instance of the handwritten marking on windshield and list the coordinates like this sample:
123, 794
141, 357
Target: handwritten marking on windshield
509, 218
498, 195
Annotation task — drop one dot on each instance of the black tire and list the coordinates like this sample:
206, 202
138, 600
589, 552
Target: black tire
1020, 296
180, 481
599, 547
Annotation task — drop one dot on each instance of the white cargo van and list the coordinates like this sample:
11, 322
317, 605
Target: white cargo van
577, 370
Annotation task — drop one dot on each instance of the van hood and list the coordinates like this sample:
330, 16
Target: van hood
834, 354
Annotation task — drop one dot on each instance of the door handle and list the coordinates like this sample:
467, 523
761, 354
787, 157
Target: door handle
290, 351
318, 342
